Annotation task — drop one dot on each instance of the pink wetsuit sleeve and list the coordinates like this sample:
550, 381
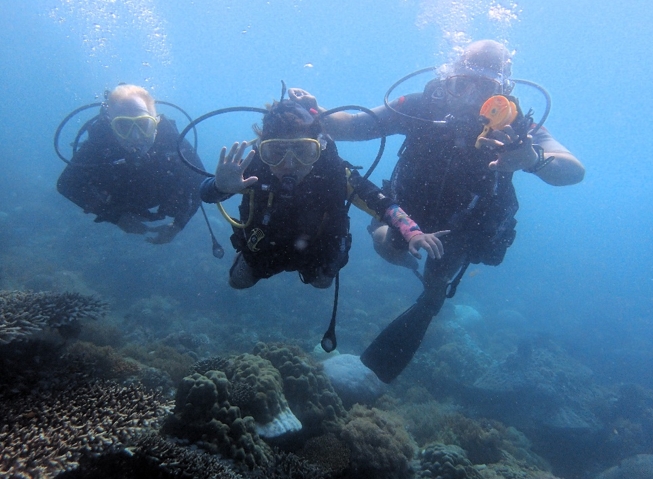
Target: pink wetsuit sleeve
398, 218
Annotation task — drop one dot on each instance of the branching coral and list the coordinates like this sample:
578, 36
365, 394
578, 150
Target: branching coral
23, 313
328, 451
100, 361
152, 456
50, 429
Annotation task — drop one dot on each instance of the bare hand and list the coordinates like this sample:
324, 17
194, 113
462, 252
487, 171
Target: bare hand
302, 97
230, 169
510, 159
430, 242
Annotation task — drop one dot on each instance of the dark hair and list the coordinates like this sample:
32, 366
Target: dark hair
287, 118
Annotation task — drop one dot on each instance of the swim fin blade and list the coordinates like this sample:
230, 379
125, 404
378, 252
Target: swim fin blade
395, 346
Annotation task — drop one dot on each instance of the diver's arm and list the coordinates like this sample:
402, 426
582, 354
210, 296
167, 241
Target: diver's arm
210, 194
354, 126
540, 155
563, 169
228, 178
370, 199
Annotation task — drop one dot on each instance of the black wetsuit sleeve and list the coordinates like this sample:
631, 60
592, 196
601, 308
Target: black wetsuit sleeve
210, 193
365, 195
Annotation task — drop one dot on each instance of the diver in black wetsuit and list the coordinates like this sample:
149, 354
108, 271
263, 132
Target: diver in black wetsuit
128, 171
449, 178
294, 211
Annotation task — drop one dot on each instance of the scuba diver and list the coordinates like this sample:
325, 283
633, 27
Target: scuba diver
296, 193
454, 173
129, 165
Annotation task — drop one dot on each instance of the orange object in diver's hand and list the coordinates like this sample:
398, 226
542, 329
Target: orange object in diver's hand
499, 112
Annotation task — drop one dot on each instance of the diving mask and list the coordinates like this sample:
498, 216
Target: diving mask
463, 85
123, 126
304, 150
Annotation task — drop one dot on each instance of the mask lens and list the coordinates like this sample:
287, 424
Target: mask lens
305, 150
271, 152
458, 85
146, 124
461, 85
124, 125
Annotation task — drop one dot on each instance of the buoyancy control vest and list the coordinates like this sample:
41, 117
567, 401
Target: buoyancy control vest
443, 182
305, 229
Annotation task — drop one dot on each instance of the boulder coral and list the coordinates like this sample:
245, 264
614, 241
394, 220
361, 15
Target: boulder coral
445, 462
380, 446
307, 389
204, 414
233, 406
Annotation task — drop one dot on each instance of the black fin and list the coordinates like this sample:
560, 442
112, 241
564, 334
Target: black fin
392, 350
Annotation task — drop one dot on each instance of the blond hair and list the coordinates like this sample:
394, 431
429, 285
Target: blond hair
124, 92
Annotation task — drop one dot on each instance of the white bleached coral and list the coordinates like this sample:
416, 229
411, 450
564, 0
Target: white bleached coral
281, 424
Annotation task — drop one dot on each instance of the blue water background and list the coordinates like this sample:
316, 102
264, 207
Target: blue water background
581, 268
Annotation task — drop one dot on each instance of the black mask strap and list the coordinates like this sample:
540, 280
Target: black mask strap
283, 90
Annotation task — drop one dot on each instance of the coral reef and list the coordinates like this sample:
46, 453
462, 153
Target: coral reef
231, 403
49, 429
424, 421
285, 465
380, 446
306, 388
100, 361
636, 467
328, 452
184, 341
511, 468
156, 313
152, 456
554, 391
482, 439
23, 313
445, 462
203, 413
160, 356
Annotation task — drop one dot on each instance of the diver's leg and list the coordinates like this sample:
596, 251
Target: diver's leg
395, 346
241, 275
385, 245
